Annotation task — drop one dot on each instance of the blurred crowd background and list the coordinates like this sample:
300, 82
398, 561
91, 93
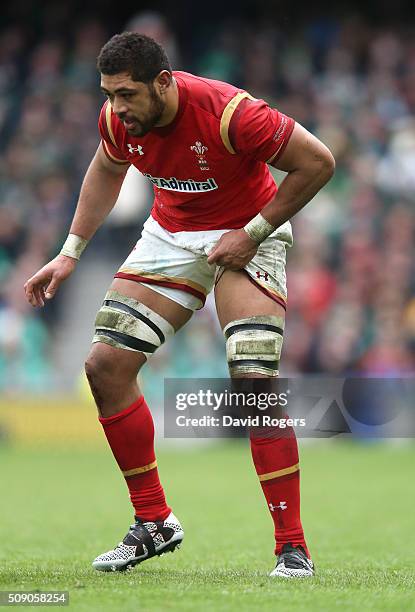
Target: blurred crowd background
348, 77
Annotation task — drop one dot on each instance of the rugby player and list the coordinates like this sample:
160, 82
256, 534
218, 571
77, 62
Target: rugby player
217, 220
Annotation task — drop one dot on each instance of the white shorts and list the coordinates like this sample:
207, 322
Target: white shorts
175, 264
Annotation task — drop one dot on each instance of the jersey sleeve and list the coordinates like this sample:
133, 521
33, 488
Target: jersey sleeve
108, 139
259, 131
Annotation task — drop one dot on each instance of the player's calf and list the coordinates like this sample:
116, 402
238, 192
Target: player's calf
112, 377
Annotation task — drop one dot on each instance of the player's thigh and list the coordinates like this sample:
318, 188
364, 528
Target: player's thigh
237, 297
123, 364
176, 314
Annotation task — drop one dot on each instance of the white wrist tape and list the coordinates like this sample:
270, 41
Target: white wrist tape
258, 228
73, 246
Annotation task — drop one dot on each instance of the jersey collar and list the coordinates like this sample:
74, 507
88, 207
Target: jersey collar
183, 94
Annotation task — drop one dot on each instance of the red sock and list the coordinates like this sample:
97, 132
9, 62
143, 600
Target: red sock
275, 455
130, 434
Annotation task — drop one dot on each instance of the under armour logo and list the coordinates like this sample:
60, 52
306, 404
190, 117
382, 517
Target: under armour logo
263, 275
282, 506
138, 149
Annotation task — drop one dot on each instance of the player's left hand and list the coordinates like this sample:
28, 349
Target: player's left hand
233, 250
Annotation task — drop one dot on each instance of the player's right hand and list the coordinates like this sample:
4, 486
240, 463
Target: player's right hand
44, 284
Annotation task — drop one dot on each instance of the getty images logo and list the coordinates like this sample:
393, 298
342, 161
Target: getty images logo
282, 506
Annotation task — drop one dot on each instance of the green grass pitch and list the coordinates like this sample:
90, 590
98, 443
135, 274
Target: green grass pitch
62, 506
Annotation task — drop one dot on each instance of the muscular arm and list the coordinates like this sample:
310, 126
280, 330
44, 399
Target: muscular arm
309, 165
99, 192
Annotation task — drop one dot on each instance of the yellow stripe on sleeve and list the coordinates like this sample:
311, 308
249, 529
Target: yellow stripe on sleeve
111, 156
109, 125
227, 114
271, 159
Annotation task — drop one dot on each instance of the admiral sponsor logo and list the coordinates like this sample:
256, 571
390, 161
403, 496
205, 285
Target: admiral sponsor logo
189, 185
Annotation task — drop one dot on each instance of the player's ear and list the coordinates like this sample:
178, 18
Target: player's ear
162, 81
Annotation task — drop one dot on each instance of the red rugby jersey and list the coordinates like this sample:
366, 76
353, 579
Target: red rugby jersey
208, 167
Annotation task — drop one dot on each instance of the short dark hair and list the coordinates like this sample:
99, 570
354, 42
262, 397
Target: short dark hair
141, 56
